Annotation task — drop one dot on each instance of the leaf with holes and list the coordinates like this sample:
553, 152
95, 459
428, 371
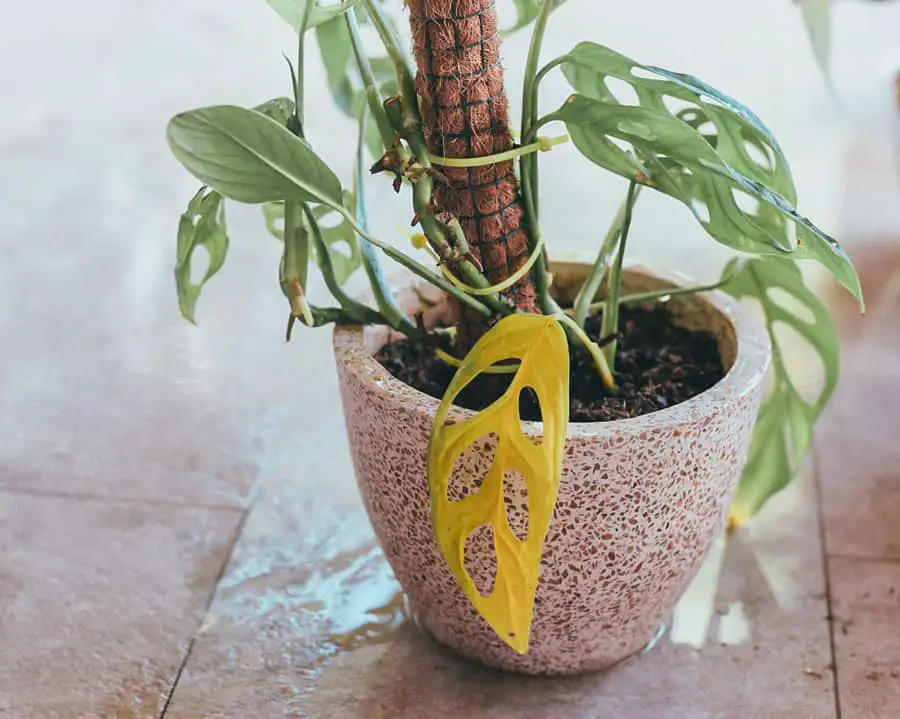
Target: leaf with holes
202, 225
344, 260
696, 144
783, 433
247, 156
540, 346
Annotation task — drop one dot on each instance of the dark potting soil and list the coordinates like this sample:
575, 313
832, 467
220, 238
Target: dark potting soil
658, 365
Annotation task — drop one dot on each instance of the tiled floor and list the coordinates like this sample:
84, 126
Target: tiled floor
180, 532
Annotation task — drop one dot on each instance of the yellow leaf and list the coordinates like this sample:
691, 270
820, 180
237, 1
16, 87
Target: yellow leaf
540, 346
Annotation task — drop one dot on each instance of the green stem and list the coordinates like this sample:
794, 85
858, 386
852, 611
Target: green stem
299, 88
591, 286
381, 290
610, 324
541, 272
295, 265
530, 94
654, 295
596, 353
390, 41
413, 266
528, 164
350, 305
334, 315
373, 96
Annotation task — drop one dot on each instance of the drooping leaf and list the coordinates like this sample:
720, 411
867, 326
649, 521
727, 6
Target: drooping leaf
201, 225
696, 144
783, 433
294, 12
249, 157
340, 238
540, 346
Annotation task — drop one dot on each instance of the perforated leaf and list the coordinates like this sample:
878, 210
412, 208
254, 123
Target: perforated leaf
696, 144
784, 428
202, 225
540, 346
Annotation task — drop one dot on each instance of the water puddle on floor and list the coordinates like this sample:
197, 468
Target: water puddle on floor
315, 594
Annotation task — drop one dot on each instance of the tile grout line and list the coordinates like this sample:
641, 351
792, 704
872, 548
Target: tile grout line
145, 501
239, 531
826, 573
864, 559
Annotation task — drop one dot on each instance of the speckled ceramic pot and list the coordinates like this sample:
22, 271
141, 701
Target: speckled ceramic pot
640, 501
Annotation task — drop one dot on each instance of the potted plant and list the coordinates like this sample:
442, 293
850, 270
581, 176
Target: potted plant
546, 450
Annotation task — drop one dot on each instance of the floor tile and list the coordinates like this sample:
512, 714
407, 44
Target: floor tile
866, 606
859, 456
310, 623
98, 603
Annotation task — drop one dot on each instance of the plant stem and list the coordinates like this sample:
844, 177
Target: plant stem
413, 266
603, 367
350, 306
300, 84
377, 280
528, 164
296, 238
610, 324
334, 315
653, 295
530, 95
591, 286
373, 96
295, 264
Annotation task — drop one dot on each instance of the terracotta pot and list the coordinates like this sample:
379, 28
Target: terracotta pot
640, 501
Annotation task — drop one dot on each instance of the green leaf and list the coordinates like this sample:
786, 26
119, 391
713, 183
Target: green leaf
343, 77
817, 18
249, 157
294, 12
343, 246
340, 238
783, 433
527, 12
202, 225
336, 50
696, 144
280, 109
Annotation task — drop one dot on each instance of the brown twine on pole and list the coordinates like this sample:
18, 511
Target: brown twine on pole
465, 113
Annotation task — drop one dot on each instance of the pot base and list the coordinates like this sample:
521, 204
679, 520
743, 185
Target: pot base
569, 671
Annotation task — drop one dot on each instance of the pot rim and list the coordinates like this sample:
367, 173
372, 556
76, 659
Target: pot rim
749, 369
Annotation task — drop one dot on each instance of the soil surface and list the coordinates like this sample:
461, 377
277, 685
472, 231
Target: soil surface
658, 365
